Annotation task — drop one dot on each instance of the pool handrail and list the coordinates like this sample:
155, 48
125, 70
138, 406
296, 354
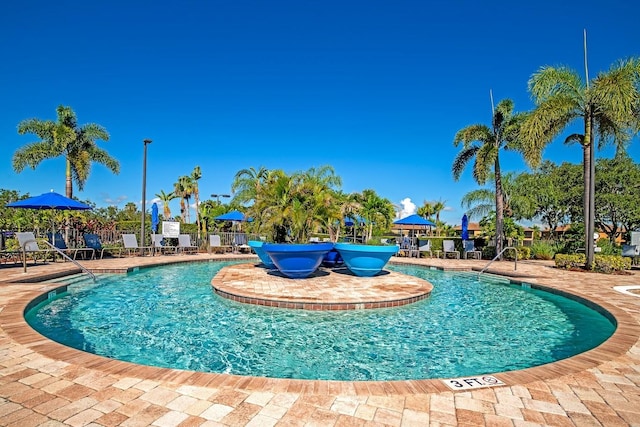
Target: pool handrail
515, 264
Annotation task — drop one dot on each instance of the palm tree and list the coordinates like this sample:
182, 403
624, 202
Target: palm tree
195, 177
376, 211
179, 191
484, 144
64, 138
438, 207
166, 198
246, 183
607, 106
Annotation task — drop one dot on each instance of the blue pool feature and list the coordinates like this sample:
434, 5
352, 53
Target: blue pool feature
170, 317
256, 245
365, 260
297, 260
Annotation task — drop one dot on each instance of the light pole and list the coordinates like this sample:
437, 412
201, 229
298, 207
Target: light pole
144, 193
217, 196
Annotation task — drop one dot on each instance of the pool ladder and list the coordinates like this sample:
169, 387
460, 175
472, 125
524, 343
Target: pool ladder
65, 256
515, 264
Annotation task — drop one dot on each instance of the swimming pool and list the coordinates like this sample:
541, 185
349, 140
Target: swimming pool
170, 317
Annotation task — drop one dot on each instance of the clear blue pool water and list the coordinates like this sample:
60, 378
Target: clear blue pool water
170, 317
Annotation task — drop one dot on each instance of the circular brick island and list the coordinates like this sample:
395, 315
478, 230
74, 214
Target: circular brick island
326, 289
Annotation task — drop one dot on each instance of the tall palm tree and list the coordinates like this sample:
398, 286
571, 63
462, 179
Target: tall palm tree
484, 144
166, 198
195, 177
64, 138
607, 106
179, 191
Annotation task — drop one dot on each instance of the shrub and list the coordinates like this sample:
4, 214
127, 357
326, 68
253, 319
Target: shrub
569, 261
542, 249
611, 263
602, 263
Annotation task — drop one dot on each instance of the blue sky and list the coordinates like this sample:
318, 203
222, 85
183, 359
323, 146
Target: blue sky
376, 89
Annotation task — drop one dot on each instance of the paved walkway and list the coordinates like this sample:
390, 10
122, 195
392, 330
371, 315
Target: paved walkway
45, 384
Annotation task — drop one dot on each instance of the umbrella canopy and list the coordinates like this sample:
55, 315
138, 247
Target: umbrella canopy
350, 222
49, 200
465, 227
154, 218
233, 216
414, 219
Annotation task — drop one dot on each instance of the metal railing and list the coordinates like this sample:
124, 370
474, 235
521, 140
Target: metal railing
65, 256
515, 265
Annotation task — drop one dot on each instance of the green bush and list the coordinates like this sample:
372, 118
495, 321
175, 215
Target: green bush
611, 263
524, 252
542, 249
602, 263
569, 261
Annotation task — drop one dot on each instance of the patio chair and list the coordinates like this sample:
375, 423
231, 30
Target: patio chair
215, 243
240, 243
61, 245
93, 241
161, 245
449, 247
29, 245
131, 244
425, 248
185, 245
470, 249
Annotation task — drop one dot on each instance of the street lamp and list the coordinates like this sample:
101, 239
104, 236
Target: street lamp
144, 193
217, 196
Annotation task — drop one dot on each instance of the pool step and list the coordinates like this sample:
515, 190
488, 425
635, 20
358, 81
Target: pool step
71, 279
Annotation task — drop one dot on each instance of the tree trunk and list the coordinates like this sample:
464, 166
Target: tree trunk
589, 190
69, 181
499, 209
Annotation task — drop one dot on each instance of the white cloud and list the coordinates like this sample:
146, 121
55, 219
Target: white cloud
406, 208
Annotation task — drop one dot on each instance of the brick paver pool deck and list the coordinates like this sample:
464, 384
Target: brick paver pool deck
43, 383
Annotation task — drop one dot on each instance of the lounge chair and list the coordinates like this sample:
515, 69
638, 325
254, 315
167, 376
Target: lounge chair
425, 248
449, 247
408, 247
240, 243
184, 244
61, 245
160, 245
93, 241
470, 249
215, 243
29, 245
131, 244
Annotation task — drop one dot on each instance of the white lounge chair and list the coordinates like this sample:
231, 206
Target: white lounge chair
131, 245
185, 245
29, 245
449, 247
215, 243
425, 248
470, 249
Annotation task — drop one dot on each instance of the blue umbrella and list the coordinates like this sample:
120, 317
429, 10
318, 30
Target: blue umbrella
50, 200
233, 216
465, 227
414, 219
154, 218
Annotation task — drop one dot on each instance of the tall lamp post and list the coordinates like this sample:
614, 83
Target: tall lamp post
217, 196
144, 194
